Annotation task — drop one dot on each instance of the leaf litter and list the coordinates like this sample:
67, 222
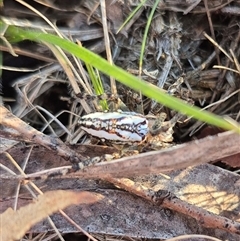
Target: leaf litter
176, 48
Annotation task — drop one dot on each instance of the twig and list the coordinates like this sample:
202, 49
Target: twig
178, 157
19, 130
167, 199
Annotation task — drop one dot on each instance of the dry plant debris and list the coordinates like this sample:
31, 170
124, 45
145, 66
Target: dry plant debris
14, 224
178, 58
204, 193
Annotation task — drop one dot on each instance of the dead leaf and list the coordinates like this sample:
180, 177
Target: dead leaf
20, 221
232, 161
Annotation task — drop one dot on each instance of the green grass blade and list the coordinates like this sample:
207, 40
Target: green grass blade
97, 84
131, 15
124, 77
146, 33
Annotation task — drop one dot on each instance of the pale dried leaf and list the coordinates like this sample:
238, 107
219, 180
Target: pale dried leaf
20, 221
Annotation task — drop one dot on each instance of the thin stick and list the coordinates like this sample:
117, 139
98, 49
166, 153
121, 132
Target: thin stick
166, 199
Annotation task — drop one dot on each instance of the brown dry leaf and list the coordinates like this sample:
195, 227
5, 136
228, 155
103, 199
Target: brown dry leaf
20, 221
232, 161
115, 15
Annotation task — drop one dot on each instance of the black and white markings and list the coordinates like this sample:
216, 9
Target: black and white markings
116, 126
